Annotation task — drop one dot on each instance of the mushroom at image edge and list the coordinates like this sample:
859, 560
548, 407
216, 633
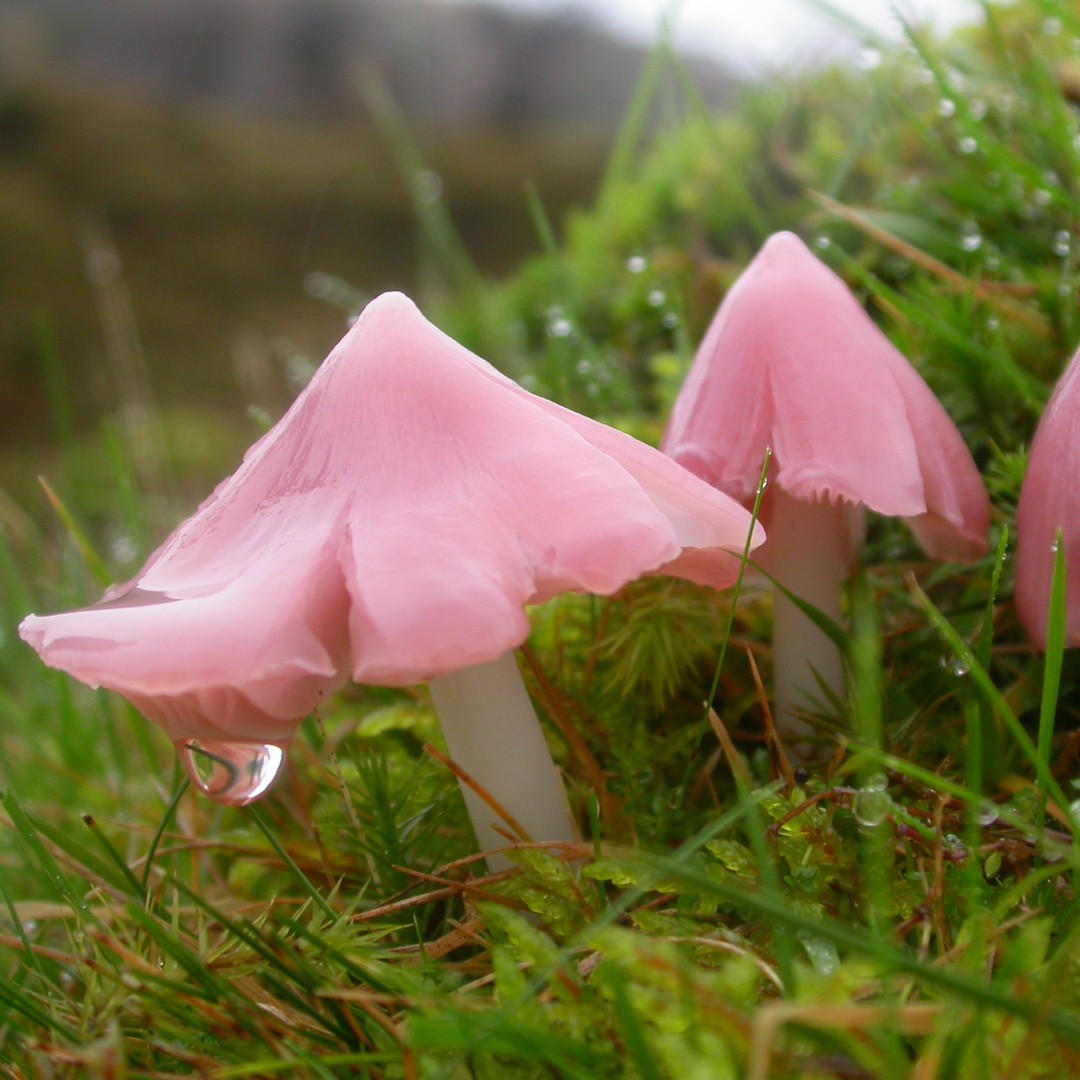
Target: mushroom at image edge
791, 363
1049, 504
391, 528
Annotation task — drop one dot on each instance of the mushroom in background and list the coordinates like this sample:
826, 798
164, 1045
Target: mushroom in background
392, 528
1048, 503
792, 363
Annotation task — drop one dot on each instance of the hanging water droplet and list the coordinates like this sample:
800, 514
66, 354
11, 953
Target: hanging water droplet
822, 243
946, 107
231, 773
1054, 545
871, 807
987, 813
1074, 811
1062, 242
955, 665
967, 145
656, 298
637, 264
559, 328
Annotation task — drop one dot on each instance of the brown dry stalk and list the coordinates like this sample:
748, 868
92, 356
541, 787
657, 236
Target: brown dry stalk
770, 728
985, 292
917, 1019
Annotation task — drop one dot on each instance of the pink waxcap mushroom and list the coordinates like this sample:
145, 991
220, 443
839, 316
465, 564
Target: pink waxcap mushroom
792, 363
392, 527
1050, 501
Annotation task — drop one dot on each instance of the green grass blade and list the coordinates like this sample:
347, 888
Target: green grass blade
982, 680
1055, 651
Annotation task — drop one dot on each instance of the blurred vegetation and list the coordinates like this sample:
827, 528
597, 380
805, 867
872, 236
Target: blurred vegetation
905, 910
179, 241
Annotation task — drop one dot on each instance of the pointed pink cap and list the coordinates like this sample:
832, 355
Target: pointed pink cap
1049, 501
392, 526
792, 362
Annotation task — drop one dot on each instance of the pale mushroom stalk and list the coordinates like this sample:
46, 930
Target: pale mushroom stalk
809, 552
493, 734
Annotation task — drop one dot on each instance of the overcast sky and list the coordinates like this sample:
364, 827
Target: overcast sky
757, 34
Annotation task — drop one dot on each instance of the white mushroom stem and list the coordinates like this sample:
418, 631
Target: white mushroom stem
809, 551
492, 732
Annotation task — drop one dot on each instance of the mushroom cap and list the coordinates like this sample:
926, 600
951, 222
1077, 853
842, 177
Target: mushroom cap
392, 526
1049, 501
791, 362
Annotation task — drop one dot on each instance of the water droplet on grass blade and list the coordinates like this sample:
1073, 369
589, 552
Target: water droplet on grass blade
871, 807
231, 773
876, 782
987, 813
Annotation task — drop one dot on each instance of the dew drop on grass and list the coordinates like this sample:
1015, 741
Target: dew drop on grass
231, 773
946, 107
967, 145
1062, 242
871, 806
987, 814
636, 264
822, 243
971, 241
656, 298
1074, 811
955, 665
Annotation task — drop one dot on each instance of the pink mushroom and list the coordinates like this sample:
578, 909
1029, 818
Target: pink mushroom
1049, 502
791, 362
392, 528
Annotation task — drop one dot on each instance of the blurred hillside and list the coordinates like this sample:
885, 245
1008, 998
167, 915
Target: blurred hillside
173, 173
